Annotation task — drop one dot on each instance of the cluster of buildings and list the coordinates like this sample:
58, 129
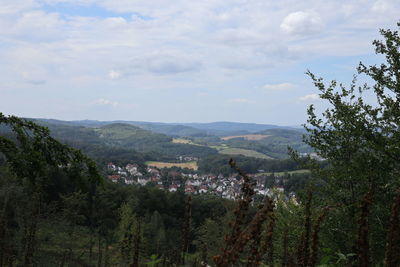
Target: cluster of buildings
186, 158
225, 186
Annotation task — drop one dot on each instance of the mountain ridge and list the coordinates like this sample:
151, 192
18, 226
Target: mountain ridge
218, 128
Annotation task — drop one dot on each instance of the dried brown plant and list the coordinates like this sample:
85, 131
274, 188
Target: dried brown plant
241, 235
362, 243
186, 228
392, 256
315, 236
267, 247
303, 255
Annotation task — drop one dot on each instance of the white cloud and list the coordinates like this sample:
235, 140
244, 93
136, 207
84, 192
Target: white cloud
301, 23
309, 97
178, 48
106, 102
240, 100
279, 86
162, 63
381, 6
202, 94
114, 74
34, 26
37, 82
15, 6
171, 65
256, 57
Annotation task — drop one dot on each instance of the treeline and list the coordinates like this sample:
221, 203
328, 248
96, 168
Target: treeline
80, 228
219, 164
56, 210
276, 144
123, 140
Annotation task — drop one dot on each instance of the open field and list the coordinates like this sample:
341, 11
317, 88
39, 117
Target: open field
158, 164
182, 141
244, 152
251, 137
283, 173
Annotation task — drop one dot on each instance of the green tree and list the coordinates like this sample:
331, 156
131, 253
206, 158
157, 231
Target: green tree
130, 236
154, 232
360, 139
32, 156
210, 239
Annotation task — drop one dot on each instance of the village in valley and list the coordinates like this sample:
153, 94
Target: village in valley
192, 183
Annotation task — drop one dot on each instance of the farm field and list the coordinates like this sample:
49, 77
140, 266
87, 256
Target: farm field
283, 173
158, 164
250, 137
182, 141
241, 151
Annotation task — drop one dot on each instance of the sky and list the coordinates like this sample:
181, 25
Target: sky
181, 60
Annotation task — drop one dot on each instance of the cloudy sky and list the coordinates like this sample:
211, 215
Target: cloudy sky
182, 60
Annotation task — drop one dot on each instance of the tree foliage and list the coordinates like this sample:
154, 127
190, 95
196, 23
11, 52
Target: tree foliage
360, 138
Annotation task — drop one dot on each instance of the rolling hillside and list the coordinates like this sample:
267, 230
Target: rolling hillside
158, 140
124, 138
272, 142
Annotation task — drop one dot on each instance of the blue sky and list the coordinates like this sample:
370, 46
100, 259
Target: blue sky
181, 61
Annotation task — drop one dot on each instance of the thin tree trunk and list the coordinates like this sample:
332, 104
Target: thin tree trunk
186, 229
106, 254
100, 253
363, 248
136, 245
31, 232
63, 259
3, 230
392, 246
90, 245
285, 248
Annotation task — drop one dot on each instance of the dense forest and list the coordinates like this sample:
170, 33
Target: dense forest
155, 141
56, 209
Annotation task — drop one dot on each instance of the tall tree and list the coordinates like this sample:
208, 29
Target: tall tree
360, 138
32, 155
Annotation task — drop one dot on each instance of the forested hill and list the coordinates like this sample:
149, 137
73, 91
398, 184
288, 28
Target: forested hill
157, 141
225, 127
119, 141
180, 129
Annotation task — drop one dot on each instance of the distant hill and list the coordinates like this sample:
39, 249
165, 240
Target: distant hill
275, 143
182, 129
221, 128
125, 134
122, 137
154, 139
190, 129
175, 130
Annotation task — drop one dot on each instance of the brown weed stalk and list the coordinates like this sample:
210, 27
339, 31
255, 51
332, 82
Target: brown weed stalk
300, 249
186, 228
363, 231
304, 249
253, 230
257, 250
254, 258
268, 247
240, 235
392, 256
270, 242
315, 236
